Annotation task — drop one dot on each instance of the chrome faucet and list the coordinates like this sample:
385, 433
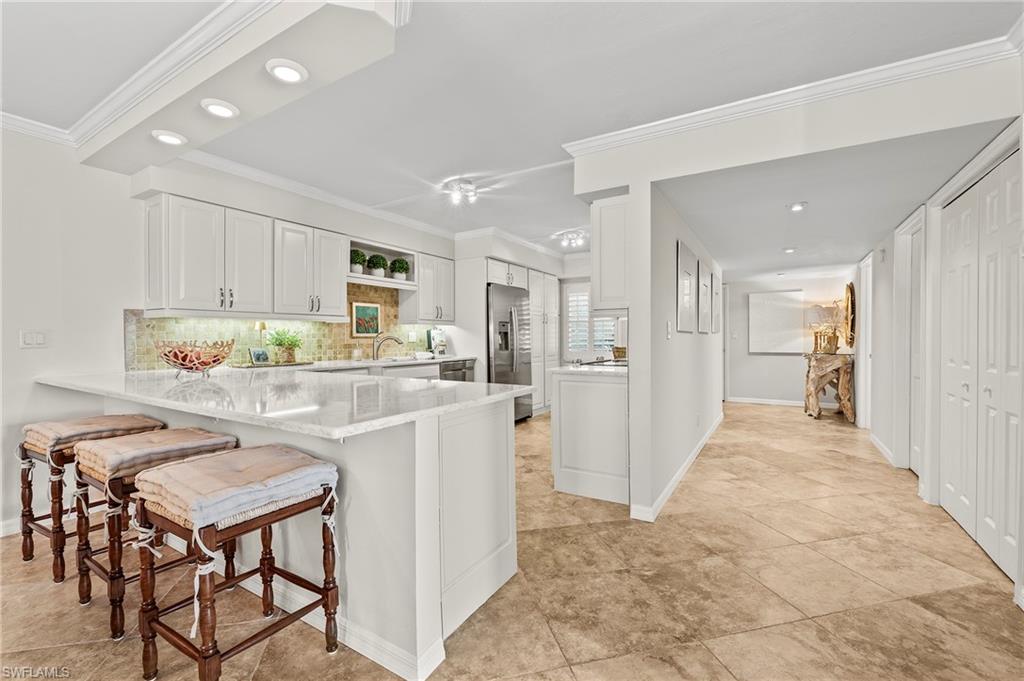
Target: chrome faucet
378, 341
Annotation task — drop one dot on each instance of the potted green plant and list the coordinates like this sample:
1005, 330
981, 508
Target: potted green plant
357, 260
377, 264
399, 268
285, 342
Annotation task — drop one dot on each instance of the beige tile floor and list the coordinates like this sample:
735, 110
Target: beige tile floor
790, 551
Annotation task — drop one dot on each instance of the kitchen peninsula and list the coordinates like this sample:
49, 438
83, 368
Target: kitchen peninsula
405, 448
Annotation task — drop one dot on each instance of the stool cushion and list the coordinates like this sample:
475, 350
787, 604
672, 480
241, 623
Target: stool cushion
225, 488
50, 435
124, 456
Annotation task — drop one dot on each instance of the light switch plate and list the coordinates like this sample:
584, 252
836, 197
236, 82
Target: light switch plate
29, 339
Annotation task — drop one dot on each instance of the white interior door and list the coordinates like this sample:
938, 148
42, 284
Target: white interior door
958, 454
330, 265
196, 248
249, 261
917, 432
999, 370
293, 268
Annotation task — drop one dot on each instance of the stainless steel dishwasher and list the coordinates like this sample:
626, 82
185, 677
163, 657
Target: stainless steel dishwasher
457, 370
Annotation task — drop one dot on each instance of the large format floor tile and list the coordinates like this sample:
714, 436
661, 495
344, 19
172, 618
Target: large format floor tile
683, 662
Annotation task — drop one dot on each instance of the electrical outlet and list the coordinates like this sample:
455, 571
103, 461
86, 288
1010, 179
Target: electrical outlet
411, 337
32, 339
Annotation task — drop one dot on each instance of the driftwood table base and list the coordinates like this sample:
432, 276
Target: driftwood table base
829, 370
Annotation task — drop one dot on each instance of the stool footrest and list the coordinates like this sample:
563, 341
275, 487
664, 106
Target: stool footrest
175, 639
297, 581
267, 632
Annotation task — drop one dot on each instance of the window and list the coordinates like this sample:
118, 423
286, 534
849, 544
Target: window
585, 337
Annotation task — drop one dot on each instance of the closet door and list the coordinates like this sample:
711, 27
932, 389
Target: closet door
999, 365
958, 451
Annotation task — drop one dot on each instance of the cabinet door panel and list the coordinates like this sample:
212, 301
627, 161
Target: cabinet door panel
331, 260
196, 250
155, 238
518, 276
536, 292
249, 261
497, 272
426, 295
609, 281
445, 288
293, 268
552, 295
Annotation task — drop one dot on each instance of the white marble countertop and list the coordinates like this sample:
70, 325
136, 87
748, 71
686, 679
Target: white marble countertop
590, 369
321, 404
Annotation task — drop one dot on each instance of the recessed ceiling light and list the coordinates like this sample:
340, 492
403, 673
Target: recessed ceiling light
287, 71
789, 250
168, 137
219, 108
798, 206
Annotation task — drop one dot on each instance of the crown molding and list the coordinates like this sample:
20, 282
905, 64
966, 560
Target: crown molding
508, 236
263, 177
1016, 35
27, 126
908, 69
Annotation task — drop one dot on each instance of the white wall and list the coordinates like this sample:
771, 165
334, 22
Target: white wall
772, 377
71, 264
882, 344
686, 397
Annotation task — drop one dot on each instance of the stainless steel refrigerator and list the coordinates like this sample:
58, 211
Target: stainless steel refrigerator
508, 341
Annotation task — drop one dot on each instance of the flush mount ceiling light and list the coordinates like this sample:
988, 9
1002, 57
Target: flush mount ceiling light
287, 71
571, 238
219, 108
798, 206
789, 251
169, 137
459, 189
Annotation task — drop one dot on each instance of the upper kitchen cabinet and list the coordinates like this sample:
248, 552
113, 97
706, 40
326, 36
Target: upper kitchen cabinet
195, 242
499, 272
433, 300
609, 284
249, 261
310, 271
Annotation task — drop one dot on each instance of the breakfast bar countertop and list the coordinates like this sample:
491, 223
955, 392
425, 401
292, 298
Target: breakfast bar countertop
321, 404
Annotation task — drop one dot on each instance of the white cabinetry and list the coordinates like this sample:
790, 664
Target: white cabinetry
544, 334
434, 297
249, 261
310, 267
499, 272
196, 255
609, 283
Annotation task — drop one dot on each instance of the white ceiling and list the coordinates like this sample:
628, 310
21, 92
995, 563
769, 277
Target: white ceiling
484, 89
60, 59
856, 196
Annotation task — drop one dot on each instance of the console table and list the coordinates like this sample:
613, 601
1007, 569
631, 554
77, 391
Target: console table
834, 370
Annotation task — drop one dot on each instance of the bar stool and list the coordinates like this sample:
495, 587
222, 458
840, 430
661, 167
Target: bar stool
211, 500
111, 465
52, 443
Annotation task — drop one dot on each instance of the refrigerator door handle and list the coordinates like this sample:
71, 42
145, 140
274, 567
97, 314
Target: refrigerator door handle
514, 344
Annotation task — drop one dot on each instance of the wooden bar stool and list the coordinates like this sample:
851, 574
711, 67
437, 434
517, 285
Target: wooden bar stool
111, 465
52, 443
212, 500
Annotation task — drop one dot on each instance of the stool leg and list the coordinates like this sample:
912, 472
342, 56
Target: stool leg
209, 660
115, 585
330, 584
267, 569
27, 546
229, 559
84, 548
57, 537
148, 610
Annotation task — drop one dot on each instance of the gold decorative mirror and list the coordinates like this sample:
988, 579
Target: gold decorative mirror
850, 322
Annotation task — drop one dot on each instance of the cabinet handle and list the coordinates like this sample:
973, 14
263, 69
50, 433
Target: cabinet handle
221, 297
318, 303
311, 303
966, 386
437, 312
231, 297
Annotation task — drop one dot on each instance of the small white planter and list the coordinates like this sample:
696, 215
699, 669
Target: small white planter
356, 269
377, 272
400, 276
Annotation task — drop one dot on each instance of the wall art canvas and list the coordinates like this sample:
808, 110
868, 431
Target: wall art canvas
686, 289
365, 319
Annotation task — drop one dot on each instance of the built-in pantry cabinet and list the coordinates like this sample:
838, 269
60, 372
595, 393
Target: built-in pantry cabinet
433, 300
609, 286
500, 272
545, 332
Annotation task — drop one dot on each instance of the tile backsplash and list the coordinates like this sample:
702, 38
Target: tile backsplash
321, 340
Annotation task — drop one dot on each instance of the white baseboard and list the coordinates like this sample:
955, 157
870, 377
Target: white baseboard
650, 513
883, 449
11, 526
291, 598
777, 403
1018, 596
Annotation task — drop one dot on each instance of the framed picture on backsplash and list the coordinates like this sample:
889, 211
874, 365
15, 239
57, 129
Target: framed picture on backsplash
365, 319
259, 356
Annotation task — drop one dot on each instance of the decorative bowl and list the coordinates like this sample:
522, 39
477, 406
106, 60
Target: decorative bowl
194, 356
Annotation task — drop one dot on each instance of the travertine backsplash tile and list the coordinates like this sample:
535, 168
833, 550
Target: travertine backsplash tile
321, 340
